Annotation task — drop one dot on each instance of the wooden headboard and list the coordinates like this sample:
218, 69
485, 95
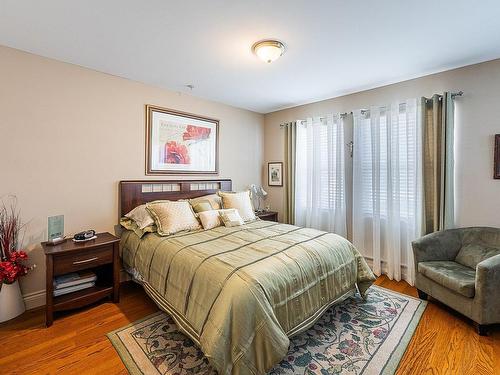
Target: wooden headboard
135, 193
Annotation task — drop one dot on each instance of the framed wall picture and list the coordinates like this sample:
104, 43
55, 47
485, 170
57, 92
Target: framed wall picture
180, 143
496, 168
275, 174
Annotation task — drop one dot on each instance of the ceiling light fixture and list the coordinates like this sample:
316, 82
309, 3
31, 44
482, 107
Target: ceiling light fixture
268, 50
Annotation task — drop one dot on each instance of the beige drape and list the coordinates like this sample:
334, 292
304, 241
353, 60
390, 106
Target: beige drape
290, 152
438, 162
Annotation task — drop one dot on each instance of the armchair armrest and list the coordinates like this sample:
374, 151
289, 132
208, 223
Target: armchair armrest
488, 289
443, 245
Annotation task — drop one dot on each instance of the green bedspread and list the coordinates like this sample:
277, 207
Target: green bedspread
241, 292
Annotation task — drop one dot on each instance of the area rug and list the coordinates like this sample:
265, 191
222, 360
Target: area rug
355, 337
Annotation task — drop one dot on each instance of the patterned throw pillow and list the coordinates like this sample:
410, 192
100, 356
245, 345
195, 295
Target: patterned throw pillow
171, 217
141, 216
130, 224
210, 219
212, 199
231, 217
202, 206
240, 201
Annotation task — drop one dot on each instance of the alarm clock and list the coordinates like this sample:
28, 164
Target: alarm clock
86, 235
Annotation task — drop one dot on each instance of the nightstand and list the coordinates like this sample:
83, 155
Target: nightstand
267, 215
100, 255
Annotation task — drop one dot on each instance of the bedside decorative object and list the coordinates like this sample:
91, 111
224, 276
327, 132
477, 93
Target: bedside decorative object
257, 192
267, 215
55, 230
12, 261
275, 174
11, 301
180, 143
99, 257
86, 235
496, 168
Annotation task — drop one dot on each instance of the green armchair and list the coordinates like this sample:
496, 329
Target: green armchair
461, 268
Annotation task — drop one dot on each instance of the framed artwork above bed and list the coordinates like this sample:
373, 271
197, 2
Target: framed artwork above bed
180, 143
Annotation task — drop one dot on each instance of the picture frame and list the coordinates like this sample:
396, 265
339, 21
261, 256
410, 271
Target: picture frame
496, 166
180, 142
275, 173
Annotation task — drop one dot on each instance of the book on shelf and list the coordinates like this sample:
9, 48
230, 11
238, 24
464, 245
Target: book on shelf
74, 278
74, 288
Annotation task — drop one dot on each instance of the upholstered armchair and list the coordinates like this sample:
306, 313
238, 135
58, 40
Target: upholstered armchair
461, 268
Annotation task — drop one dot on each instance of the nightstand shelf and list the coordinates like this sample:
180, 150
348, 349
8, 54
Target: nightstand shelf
101, 256
81, 298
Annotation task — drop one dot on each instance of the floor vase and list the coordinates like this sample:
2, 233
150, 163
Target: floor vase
11, 301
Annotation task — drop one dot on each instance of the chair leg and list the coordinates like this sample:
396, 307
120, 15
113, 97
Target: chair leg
422, 295
482, 330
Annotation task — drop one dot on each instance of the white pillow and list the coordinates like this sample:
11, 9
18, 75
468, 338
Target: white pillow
231, 217
172, 216
210, 219
240, 201
141, 216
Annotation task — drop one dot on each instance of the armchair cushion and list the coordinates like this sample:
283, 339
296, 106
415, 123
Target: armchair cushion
472, 254
452, 275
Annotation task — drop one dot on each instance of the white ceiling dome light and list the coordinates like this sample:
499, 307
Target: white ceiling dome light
268, 50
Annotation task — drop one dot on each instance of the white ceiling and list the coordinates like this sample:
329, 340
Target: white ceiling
333, 47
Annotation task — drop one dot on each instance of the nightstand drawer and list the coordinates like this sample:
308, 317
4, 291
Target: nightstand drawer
83, 260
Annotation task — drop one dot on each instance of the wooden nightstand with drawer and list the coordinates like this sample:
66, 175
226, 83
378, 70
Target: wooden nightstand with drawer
100, 256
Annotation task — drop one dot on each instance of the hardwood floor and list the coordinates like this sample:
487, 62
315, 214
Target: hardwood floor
444, 343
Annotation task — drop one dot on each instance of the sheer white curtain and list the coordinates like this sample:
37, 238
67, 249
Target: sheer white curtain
320, 175
387, 184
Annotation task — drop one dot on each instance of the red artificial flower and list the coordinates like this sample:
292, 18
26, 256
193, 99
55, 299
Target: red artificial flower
12, 269
176, 153
196, 133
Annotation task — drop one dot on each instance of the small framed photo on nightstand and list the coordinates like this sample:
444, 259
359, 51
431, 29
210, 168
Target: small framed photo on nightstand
55, 228
275, 174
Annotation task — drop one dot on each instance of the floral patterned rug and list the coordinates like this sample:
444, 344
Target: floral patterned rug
355, 337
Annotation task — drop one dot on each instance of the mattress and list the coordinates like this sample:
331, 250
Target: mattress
239, 293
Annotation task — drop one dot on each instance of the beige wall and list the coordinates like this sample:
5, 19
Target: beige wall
477, 193
69, 134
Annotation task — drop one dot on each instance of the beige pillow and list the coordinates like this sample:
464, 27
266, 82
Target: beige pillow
131, 225
210, 219
171, 217
200, 203
231, 217
202, 206
141, 216
240, 201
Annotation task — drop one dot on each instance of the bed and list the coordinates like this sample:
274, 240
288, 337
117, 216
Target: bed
239, 293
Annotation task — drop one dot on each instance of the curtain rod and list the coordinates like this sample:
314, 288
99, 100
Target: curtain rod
343, 114
364, 111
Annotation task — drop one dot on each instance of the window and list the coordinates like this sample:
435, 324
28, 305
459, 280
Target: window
320, 177
387, 151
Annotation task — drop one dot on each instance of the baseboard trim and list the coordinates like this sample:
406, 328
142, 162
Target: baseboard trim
404, 267
36, 299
